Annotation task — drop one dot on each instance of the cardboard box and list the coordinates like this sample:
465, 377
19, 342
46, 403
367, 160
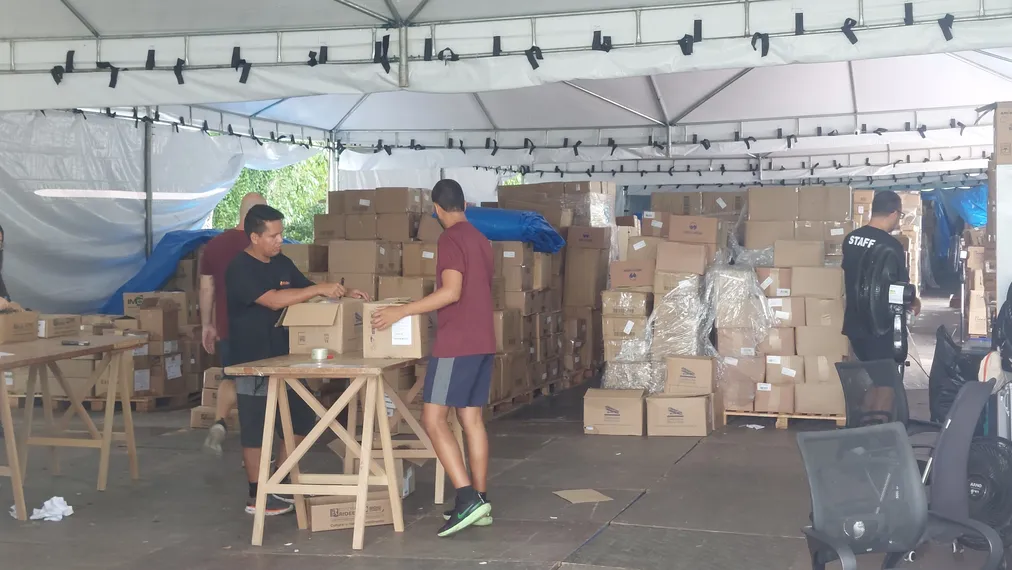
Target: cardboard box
819, 369
798, 254
419, 259
826, 203
634, 275
683, 203
400, 227
513, 254
407, 338
642, 248
338, 513
507, 330
679, 416
369, 257
327, 227
1003, 133
361, 227
773, 203
203, 417
690, 375
335, 202
655, 224
365, 282
308, 258
589, 238
518, 277
824, 313
166, 375
613, 412
782, 370
787, 311
621, 237
772, 399
817, 282
625, 350
359, 201
724, 202
429, 229
53, 326
527, 302
821, 341
682, 258
336, 325
542, 270
186, 303
809, 231
737, 342
414, 288
498, 293
775, 281
626, 303
620, 328
977, 256
586, 277
398, 200
836, 232
667, 282
779, 342
761, 235
209, 398
159, 318
693, 229
824, 399
213, 378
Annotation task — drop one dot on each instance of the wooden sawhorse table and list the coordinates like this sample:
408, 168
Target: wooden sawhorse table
366, 376
40, 357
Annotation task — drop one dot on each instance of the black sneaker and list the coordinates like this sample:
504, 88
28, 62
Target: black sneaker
275, 506
485, 521
465, 515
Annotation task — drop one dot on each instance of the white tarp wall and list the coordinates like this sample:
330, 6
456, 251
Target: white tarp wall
72, 199
479, 184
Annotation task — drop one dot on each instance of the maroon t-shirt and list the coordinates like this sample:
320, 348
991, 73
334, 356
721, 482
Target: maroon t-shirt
465, 328
218, 253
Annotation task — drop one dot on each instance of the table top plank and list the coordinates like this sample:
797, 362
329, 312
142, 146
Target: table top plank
302, 366
44, 350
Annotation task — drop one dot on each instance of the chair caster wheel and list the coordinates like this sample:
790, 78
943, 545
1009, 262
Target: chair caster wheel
957, 548
910, 556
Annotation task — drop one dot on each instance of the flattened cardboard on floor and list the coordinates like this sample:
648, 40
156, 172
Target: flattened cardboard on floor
580, 496
613, 412
336, 325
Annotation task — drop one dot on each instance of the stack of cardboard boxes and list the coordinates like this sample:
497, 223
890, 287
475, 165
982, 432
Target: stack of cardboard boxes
981, 276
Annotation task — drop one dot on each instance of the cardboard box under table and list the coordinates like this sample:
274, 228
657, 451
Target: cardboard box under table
40, 357
366, 382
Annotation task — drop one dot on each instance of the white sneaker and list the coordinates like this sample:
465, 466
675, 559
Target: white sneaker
215, 437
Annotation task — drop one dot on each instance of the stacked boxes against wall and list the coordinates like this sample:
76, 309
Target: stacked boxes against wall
981, 275
779, 355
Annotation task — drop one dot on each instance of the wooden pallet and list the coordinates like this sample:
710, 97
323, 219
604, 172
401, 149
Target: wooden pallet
782, 419
140, 404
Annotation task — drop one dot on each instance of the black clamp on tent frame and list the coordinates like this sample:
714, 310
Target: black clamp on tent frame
600, 43
381, 53
848, 30
534, 54
946, 22
686, 44
443, 57
764, 43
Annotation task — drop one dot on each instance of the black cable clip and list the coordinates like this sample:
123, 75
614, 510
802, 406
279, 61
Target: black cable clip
600, 43
764, 41
534, 54
381, 53
848, 30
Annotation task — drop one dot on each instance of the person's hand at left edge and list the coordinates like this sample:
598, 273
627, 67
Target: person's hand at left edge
384, 317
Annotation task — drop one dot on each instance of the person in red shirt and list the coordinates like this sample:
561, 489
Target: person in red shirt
218, 253
459, 373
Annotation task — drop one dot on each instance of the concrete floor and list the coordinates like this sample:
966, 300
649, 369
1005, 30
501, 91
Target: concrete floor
736, 499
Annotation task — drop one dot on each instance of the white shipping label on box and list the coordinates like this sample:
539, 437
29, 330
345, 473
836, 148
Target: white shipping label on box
430, 255
860, 209
836, 232
731, 361
391, 407
506, 254
783, 292
657, 224
648, 215
174, 367
383, 250
363, 202
400, 332
142, 380
776, 302
170, 346
766, 283
140, 351
628, 327
639, 245
772, 360
782, 315
788, 372
764, 387
721, 203
748, 352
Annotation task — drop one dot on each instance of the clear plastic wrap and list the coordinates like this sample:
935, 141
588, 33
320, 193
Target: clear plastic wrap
626, 303
738, 303
647, 376
737, 378
752, 257
627, 350
681, 320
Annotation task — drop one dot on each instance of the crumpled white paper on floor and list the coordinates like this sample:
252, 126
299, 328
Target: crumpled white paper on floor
52, 510
753, 426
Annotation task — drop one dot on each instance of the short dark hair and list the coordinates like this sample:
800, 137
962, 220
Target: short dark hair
449, 195
257, 218
885, 203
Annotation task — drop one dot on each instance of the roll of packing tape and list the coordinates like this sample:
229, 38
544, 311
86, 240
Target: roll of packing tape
319, 354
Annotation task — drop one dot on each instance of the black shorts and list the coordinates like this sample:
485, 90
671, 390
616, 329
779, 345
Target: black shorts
459, 382
867, 349
253, 415
224, 357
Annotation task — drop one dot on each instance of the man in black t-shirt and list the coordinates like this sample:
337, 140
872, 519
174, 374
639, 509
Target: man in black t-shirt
886, 211
259, 284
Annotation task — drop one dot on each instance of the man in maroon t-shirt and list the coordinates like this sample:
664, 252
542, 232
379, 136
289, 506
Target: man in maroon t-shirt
459, 373
218, 253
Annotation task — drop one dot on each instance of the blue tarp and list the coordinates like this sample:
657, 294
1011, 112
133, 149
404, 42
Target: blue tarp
495, 224
970, 204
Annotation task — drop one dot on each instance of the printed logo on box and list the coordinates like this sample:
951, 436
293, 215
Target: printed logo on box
687, 374
610, 412
675, 413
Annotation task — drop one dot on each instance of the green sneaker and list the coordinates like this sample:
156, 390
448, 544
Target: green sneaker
484, 521
464, 516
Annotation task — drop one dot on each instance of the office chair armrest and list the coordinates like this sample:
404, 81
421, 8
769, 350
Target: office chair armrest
842, 550
996, 550
915, 427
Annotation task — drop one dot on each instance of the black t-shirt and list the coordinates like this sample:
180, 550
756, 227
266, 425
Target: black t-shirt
855, 245
254, 330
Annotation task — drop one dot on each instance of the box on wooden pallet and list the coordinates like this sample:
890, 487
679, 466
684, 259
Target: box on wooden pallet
785, 369
613, 412
773, 399
824, 312
779, 341
822, 398
507, 330
821, 341
822, 369
818, 282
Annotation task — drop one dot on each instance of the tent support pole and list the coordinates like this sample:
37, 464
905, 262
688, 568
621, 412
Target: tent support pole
980, 67
709, 96
366, 11
148, 191
614, 103
332, 174
402, 57
853, 95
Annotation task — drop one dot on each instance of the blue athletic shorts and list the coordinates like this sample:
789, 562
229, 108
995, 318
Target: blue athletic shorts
459, 382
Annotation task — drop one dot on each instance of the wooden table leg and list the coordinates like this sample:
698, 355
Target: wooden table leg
289, 435
75, 404
125, 388
47, 412
349, 458
387, 446
13, 466
365, 458
26, 430
110, 409
273, 386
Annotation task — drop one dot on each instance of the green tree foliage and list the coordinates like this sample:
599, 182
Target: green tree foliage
299, 191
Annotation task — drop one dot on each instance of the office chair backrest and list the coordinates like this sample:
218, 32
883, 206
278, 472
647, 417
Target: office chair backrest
873, 392
866, 488
944, 379
949, 495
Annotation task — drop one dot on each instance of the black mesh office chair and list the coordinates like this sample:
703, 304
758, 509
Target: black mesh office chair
874, 394
950, 369
868, 496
